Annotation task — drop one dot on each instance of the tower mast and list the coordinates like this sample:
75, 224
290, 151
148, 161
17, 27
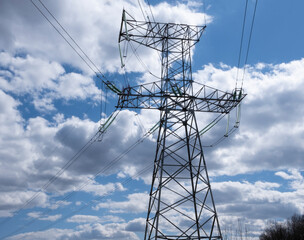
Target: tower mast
181, 204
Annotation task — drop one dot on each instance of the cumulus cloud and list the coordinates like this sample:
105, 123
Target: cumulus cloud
44, 148
294, 175
44, 81
15, 191
94, 219
58, 204
97, 35
254, 203
271, 121
88, 231
41, 217
83, 218
136, 225
136, 203
29, 74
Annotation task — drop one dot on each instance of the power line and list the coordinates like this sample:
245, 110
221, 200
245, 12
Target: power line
135, 53
241, 44
151, 10
204, 9
153, 18
127, 181
231, 130
141, 9
75, 50
109, 166
88, 144
118, 158
249, 42
98, 72
103, 170
71, 38
54, 177
142, 62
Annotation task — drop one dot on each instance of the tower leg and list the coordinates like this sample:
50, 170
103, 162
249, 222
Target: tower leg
181, 204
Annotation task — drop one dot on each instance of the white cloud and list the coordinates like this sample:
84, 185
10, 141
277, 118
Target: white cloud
49, 234
103, 190
12, 201
83, 219
40, 216
59, 204
294, 175
96, 231
45, 81
43, 148
29, 74
271, 120
253, 204
94, 219
136, 203
28, 31
136, 225
51, 218
180, 13
258, 200
14, 188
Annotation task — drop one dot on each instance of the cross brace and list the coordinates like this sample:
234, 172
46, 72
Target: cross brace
206, 99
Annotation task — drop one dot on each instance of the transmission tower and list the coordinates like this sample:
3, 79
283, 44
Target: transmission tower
181, 204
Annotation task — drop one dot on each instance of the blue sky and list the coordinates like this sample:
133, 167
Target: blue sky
50, 106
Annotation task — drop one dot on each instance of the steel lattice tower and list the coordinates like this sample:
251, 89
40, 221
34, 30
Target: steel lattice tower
181, 204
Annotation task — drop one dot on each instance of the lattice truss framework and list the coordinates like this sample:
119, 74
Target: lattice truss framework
181, 204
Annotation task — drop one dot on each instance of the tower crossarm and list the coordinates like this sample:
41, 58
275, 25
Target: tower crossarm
152, 34
206, 99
